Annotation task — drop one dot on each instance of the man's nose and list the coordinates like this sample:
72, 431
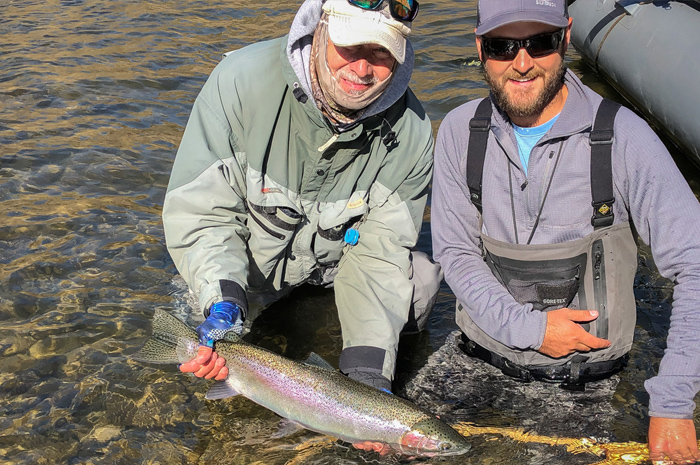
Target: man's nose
523, 62
362, 67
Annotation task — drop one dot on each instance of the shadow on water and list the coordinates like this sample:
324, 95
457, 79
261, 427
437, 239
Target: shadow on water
94, 96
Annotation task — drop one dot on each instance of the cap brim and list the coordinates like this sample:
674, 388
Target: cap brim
359, 33
554, 19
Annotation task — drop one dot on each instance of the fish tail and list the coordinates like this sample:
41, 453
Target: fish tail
171, 342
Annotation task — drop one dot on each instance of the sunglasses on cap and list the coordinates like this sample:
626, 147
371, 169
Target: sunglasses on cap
536, 46
403, 10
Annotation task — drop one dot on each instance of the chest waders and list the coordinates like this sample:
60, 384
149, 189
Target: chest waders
595, 272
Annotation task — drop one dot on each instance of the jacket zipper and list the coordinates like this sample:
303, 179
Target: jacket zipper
265, 228
543, 184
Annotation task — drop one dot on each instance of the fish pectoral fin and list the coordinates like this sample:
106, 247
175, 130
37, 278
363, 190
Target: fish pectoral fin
286, 428
316, 360
221, 390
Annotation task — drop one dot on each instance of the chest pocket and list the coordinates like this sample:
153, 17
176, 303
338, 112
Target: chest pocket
271, 229
333, 223
547, 285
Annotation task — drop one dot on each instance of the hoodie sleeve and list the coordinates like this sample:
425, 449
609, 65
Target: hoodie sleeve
666, 215
456, 236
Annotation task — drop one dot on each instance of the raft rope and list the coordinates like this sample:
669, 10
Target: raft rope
600, 46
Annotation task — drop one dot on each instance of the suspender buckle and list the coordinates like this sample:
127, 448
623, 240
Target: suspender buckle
602, 213
573, 381
601, 136
480, 124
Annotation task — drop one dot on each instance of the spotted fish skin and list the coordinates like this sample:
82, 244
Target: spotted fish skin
319, 398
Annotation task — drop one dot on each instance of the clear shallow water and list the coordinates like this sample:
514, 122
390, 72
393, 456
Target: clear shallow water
94, 96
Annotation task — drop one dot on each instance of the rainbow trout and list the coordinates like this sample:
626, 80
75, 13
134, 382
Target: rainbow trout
318, 398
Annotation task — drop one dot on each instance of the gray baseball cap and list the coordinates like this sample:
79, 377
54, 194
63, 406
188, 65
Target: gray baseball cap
496, 13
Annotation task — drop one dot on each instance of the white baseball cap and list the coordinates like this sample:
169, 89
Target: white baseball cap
351, 25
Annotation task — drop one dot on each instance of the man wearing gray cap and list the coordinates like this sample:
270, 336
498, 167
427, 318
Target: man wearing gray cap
307, 159
535, 191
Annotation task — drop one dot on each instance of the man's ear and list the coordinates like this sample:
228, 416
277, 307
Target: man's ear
478, 48
567, 36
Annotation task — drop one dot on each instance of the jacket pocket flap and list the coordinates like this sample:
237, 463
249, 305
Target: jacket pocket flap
342, 211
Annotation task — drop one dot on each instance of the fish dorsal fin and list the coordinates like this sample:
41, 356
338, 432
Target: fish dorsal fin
221, 390
316, 360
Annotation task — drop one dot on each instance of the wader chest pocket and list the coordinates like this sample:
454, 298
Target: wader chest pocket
547, 285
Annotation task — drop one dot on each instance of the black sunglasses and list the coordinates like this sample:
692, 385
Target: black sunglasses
403, 10
536, 46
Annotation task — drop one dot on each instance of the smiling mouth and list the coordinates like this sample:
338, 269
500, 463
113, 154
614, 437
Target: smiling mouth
523, 79
523, 82
353, 85
357, 85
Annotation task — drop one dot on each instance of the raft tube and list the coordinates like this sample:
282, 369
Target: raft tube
649, 52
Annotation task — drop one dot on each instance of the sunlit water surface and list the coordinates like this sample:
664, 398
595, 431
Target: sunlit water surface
94, 96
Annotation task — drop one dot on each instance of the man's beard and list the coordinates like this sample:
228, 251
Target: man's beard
523, 105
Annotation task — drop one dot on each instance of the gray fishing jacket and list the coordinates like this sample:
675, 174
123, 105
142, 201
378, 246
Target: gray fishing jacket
263, 189
649, 191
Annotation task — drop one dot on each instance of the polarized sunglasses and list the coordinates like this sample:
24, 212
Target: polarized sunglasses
536, 46
403, 10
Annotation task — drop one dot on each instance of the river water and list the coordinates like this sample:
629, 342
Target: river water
94, 96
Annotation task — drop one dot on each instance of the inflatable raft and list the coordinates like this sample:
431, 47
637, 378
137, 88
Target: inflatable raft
645, 50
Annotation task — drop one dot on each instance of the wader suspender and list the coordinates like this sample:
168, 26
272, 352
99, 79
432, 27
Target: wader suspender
601, 140
601, 164
479, 127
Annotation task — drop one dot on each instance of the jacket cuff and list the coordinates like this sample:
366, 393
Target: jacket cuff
672, 396
538, 329
224, 289
367, 359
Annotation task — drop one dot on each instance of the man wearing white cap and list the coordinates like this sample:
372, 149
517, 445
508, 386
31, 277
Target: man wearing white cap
536, 189
307, 159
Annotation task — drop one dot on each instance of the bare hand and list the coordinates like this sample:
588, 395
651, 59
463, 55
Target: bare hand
379, 447
565, 335
207, 364
674, 439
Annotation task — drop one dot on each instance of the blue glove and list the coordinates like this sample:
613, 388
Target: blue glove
223, 317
